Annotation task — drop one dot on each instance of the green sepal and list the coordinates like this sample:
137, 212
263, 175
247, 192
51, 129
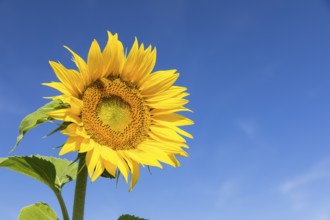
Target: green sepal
117, 177
60, 127
40, 211
58, 147
106, 174
38, 117
130, 217
53, 172
149, 169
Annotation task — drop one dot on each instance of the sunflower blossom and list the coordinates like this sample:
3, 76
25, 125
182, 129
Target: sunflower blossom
121, 114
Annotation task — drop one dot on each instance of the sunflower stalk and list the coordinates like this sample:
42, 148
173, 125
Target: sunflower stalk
80, 191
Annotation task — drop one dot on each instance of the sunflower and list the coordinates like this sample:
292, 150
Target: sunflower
121, 114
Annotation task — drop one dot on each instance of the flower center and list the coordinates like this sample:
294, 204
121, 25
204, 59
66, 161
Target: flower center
114, 114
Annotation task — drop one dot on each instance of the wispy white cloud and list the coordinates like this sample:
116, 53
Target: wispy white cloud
227, 191
307, 198
323, 216
248, 127
316, 172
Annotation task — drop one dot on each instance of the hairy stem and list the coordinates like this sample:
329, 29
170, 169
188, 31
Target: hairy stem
80, 191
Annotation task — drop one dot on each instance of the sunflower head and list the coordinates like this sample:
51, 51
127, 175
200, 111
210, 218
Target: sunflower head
121, 114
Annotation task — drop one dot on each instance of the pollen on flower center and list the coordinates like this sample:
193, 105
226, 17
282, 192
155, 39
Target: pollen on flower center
114, 114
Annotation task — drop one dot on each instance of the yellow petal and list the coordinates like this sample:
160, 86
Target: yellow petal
182, 132
92, 158
75, 130
98, 170
109, 155
95, 61
71, 145
166, 133
139, 63
125, 73
125, 157
168, 111
66, 77
173, 127
70, 130
182, 154
173, 148
172, 157
77, 82
75, 104
122, 166
82, 66
110, 167
173, 91
174, 119
86, 145
113, 156
169, 103
158, 82
65, 115
159, 154
113, 56
135, 174
58, 86
143, 158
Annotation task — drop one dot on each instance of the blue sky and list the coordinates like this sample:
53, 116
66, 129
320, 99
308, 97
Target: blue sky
258, 73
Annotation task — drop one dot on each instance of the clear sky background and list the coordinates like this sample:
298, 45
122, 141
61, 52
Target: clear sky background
258, 73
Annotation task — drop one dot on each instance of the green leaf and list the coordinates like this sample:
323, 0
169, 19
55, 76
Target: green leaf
54, 172
38, 117
130, 217
40, 211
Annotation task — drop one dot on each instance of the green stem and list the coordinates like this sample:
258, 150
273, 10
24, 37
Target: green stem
62, 204
80, 191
